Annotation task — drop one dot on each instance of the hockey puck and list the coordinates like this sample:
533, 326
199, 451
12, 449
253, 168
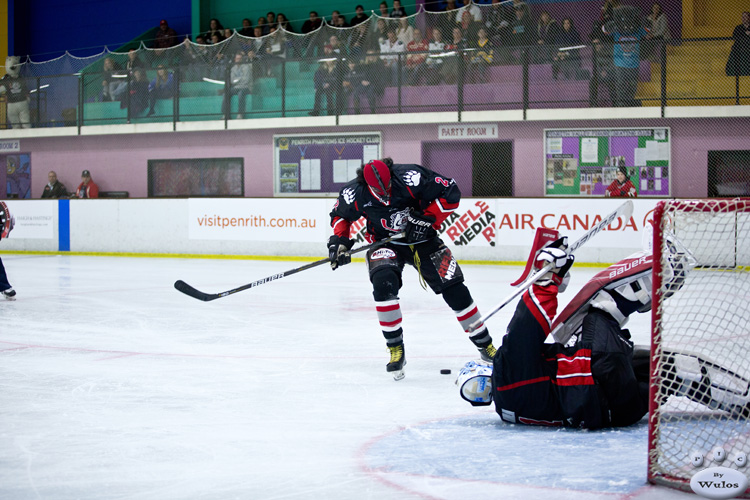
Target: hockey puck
445, 371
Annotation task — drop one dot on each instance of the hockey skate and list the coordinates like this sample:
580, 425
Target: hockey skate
398, 359
9, 294
487, 352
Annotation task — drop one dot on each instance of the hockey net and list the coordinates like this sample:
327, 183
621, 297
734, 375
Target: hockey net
700, 365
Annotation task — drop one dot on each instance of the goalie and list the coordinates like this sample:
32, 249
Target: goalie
592, 376
6, 225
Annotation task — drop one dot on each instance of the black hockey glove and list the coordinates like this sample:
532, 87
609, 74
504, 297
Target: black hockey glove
337, 251
417, 226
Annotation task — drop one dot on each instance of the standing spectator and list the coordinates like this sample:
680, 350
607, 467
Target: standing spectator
214, 28
569, 60
271, 19
471, 8
739, 58
469, 27
622, 186
381, 30
165, 37
434, 62
327, 81
383, 7
547, 30
398, 10
54, 188
658, 30
161, 87
313, 23
283, 23
136, 98
240, 84
87, 188
415, 63
626, 32
6, 226
360, 83
109, 83
247, 28
454, 65
482, 58
389, 51
604, 70
359, 16
358, 41
521, 33
13, 86
404, 32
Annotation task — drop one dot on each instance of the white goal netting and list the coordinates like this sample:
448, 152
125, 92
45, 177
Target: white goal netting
700, 368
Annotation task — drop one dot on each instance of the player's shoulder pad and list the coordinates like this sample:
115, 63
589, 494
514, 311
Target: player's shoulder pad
351, 192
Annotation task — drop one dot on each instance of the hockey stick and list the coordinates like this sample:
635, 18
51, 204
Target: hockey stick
625, 211
197, 294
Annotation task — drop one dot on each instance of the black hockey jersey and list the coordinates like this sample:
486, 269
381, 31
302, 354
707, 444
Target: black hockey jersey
413, 187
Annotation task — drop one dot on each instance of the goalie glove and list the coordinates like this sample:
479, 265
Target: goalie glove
555, 253
417, 227
337, 251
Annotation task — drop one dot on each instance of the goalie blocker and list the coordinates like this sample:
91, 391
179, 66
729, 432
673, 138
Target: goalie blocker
592, 376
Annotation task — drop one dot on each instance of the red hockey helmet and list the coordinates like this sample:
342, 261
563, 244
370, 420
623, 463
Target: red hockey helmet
378, 178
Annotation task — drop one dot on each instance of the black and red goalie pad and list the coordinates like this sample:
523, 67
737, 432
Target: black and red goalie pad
571, 317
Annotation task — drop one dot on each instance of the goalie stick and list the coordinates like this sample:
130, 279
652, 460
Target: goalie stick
206, 297
625, 211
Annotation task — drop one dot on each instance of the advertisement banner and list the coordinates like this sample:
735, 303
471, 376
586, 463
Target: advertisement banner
259, 219
35, 219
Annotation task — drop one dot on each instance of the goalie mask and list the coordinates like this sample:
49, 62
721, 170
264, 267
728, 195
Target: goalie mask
475, 383
13, 66
378, 178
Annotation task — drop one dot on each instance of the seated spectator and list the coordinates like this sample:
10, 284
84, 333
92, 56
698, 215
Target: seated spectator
271, 20
165, 37
110, 70
739, 57
567, 61
381, 30
214, 28
546, 31
383, 8
161, 87
247, 28
228, 33
359, 16
497, 19
473, 10
398, 10
265, 28
136, 97
449, 6
341, 22
434, 61
658, 30
240, 84
481, 60
389, 51
454, 65
337, 48
416, 69
327, 82
360, 83
283, 23
521, 33
404, 32
334, 18
54, 188
469, 27
87, 188
358, 41
196, 59
313, 23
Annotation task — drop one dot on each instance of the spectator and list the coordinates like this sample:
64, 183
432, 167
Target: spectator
13, 86
161, 87
240, 84
416, 68
381, 30
359, 16
454, 65
398, 10
109, 82
227, 33
341, 22
469, 27
327, 82
498, 19
567, 61
383, 7
283, 22
54, 188
6, 226
471, 8
658, 30
196, 59
334, 18
604, 72
313, 23
626, 32
547, 30
389, 51
358, 41
449, 6
404, 32
482, 58
271, 19
336, 48
165, 37
87, 188
622, 186
363, 82
265, 28
247, 28
607, 13
739, 57
136, 98
214, 28
434, 62
521, 34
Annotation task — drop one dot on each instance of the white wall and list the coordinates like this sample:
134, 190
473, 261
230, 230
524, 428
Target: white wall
481, 229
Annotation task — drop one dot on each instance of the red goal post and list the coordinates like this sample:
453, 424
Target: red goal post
701, 338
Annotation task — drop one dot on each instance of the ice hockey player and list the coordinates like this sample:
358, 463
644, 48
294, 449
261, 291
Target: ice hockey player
592, 376
412, 199
6, 225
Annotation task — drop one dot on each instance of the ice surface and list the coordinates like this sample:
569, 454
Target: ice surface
113, 385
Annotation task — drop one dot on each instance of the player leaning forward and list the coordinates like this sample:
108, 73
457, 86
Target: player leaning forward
396, 198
